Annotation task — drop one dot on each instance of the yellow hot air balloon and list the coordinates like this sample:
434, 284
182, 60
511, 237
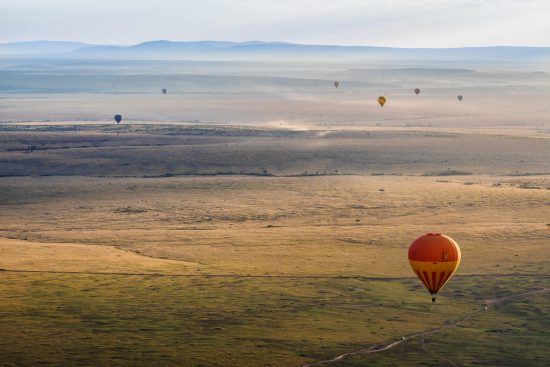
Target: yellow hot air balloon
434, 258
382, 101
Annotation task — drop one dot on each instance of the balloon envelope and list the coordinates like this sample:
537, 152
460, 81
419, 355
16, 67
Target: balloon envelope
164, 91
460, 98
118, 118
434, 258
382, 101
336, 84
417, 91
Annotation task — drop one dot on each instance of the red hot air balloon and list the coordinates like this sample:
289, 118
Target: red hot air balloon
434, 258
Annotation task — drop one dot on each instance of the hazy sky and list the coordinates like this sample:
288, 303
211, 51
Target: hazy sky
403, 23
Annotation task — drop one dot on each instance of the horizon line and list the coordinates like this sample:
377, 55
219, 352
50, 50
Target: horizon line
273, 42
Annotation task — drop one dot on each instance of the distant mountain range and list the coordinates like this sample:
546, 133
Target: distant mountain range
39, 48
254, 50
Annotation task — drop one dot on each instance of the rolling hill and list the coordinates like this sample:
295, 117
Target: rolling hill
258, 50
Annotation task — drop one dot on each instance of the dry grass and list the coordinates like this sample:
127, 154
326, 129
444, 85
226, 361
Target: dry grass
341, 225
316, 239
71, 257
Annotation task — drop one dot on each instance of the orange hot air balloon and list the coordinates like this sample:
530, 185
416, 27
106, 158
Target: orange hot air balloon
382, 101
434, 258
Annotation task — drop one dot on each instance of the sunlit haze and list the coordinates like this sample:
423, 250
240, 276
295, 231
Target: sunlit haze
400, 23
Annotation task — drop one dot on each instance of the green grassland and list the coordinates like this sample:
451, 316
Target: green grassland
55, 319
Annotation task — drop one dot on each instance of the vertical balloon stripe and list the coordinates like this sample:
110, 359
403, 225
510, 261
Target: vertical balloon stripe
441, 279
446, 278
425, 280
434, 283
422, 279
427, 277
437, 279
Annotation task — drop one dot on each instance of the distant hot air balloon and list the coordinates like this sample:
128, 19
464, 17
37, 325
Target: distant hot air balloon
417, 91
434, 258
460, 98
382, 101
118, 118
336, 84
164, 90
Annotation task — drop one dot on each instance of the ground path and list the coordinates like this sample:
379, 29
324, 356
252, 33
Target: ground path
377, 348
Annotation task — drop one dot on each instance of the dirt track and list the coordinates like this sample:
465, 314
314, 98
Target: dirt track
487, 304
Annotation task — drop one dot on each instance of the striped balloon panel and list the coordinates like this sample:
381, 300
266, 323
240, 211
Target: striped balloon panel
434, 275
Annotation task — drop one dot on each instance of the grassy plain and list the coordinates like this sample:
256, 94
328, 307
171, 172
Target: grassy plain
263, 220
258, 271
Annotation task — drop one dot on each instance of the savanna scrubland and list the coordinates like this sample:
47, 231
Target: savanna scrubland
257, 216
